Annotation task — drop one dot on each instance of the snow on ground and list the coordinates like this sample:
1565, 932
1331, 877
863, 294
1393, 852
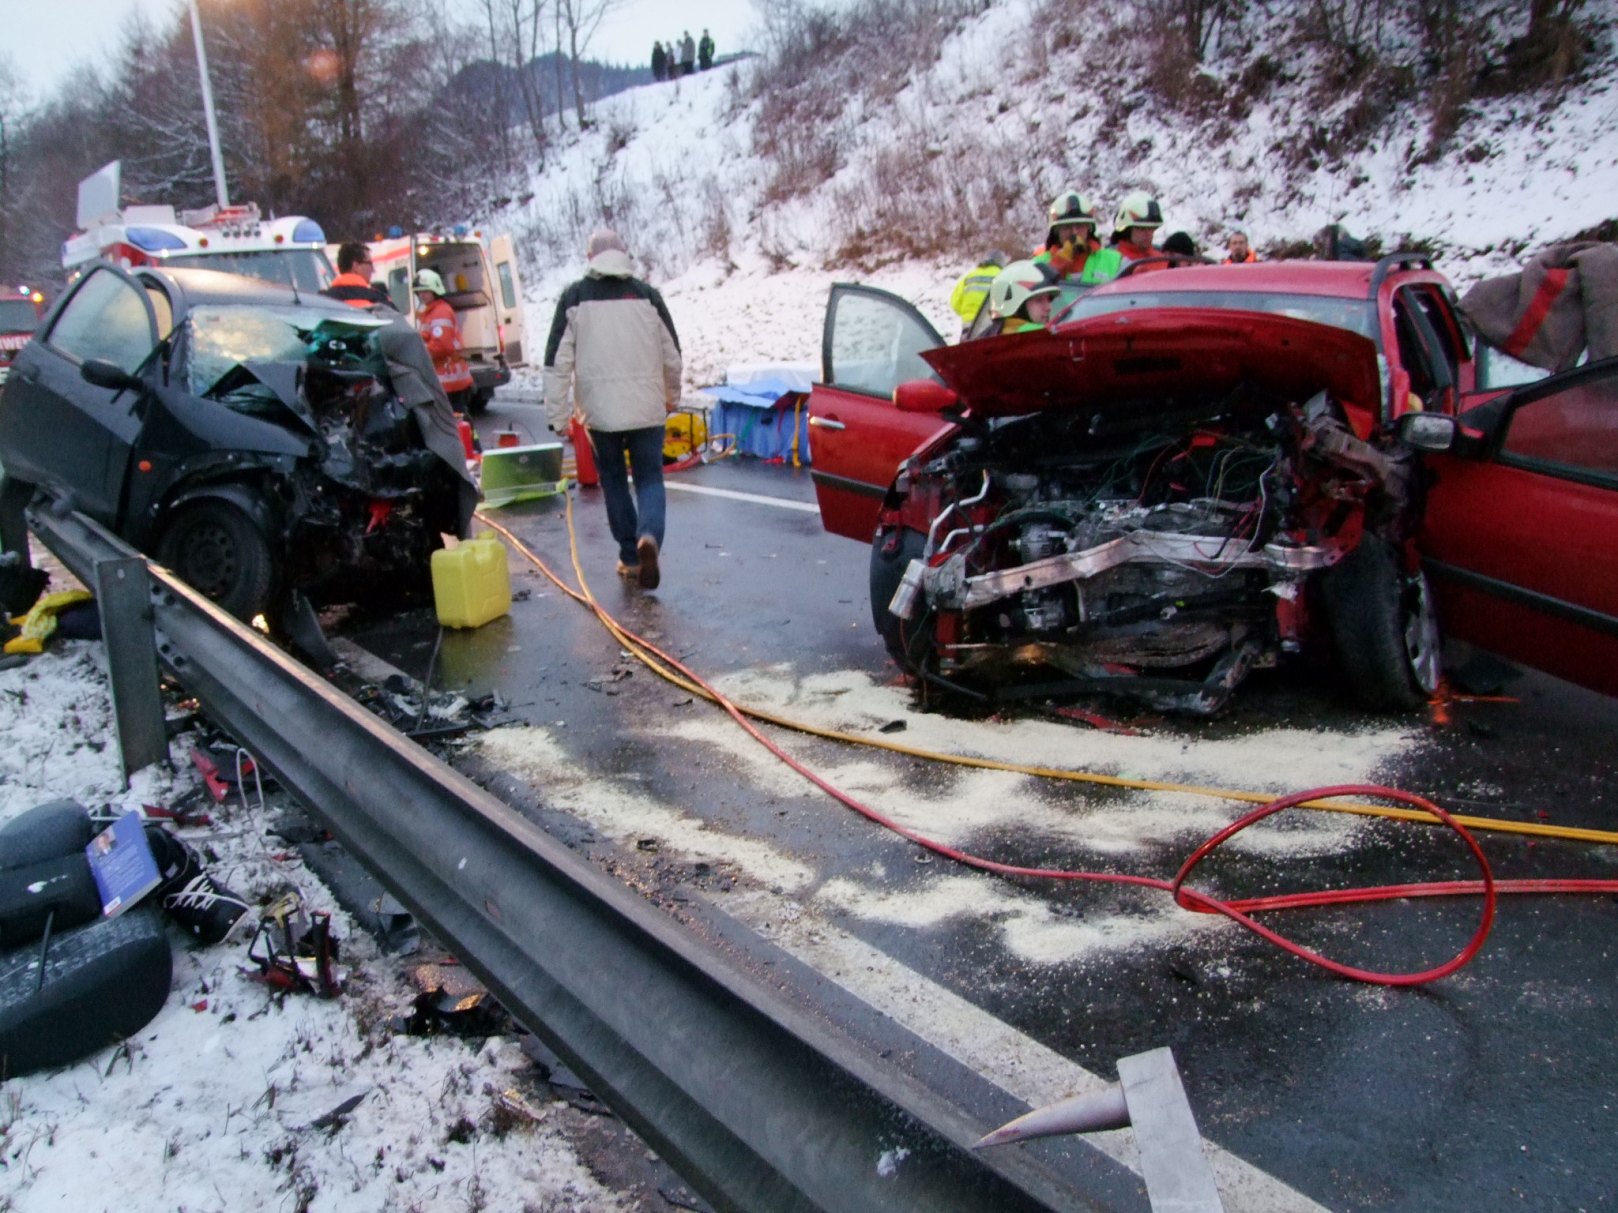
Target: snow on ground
212, 1106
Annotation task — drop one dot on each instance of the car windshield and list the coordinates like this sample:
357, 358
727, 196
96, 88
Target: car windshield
17, 316
302, 268
1355, 315
221, 337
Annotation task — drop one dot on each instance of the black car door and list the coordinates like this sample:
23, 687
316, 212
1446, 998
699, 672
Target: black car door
61, 432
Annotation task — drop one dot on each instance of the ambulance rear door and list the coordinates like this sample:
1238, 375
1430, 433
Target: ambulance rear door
508, 297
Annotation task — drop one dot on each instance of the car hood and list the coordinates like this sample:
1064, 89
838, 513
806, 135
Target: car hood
1142, 359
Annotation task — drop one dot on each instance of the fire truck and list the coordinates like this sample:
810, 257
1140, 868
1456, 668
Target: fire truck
238, 238
482, 285
20, 311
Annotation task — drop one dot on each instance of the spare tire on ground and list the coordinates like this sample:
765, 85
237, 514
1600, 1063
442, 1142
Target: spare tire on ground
102, 982
66, 994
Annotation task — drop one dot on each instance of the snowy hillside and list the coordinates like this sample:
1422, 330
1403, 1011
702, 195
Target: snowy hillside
978, 142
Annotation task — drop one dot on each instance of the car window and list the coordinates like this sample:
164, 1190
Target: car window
1498, 369
302, 269
1355, 315
105, 319
163, 309
1574, 430
876, 346
1426, 345
508, 288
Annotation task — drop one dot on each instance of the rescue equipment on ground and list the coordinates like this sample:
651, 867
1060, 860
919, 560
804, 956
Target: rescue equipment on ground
37, 626
522, 473
471, 583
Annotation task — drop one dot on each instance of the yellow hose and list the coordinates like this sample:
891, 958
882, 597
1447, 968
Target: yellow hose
636, 646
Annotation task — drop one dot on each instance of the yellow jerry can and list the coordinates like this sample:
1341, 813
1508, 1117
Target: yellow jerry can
471, 582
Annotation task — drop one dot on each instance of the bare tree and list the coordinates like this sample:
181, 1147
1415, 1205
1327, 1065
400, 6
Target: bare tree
579, 20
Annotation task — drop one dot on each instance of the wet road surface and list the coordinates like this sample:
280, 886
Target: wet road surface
1486, 1089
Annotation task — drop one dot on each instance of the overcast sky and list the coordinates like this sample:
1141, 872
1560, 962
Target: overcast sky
45, 41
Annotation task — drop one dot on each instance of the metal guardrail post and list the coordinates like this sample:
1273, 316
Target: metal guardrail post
760, 1105
121, 584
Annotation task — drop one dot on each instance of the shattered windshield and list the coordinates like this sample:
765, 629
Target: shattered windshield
1355, 315
222, 339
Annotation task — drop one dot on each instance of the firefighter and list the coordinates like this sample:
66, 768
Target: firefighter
970, 292
1071, 248
1133, 227
1020, 297
435, 320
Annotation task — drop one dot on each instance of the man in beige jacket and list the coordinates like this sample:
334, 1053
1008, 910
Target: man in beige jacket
613, 344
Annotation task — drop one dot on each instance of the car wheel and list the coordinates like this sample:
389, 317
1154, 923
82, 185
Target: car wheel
1384, 628
478, 399
891, 554
216, 549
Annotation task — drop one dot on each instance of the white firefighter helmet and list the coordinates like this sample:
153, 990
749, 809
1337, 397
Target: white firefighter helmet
1016, 285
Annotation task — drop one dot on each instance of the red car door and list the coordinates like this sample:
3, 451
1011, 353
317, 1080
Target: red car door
1520, 539
857, 438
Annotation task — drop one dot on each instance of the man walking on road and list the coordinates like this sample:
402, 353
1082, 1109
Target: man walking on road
614, 350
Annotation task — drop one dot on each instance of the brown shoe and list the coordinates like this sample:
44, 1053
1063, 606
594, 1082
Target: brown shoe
646, 549
629, 570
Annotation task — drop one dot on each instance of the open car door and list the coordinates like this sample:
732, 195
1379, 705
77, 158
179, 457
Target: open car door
1520, 538
857, 437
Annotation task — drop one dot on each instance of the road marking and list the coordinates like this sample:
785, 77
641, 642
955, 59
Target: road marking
1016, 1063
756, 498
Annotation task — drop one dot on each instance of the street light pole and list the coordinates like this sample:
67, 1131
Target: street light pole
221, 195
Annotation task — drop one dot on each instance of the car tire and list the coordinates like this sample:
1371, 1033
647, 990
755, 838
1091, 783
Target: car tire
102, 982
890, 557
1383, 627
478, 399
219, 551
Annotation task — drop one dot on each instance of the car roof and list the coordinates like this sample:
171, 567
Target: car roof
1336, 279
191, 288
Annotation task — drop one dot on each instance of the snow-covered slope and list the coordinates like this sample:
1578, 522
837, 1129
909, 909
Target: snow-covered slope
1000, 115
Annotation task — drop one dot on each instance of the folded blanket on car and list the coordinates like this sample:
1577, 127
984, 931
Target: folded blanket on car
1564, 299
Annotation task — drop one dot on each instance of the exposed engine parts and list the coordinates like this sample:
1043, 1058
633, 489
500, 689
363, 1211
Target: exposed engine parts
1151, 550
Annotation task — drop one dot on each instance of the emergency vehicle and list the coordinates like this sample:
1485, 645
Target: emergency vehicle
480, 276
20, 311
236, 238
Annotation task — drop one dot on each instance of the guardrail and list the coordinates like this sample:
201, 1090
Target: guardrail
760, 1106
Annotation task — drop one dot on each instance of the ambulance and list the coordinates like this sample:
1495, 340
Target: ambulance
237, 238
480, 276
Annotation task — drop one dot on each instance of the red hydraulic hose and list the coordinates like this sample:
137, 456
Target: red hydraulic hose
1239, 910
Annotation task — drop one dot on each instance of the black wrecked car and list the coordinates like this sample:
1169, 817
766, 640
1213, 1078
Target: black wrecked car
261, 442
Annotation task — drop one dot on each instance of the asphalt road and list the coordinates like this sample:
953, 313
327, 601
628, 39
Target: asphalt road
1484, 1090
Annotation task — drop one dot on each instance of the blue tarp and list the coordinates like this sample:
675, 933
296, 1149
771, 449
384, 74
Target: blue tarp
764, 416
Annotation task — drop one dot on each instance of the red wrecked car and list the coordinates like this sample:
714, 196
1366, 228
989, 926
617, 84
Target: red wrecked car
1196, 472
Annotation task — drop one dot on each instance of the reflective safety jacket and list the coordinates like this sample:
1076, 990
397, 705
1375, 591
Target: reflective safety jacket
439, 333
355, 291
1101, 265
970, 292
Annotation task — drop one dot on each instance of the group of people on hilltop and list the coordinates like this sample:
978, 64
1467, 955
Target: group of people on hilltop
671, 60
1019, 294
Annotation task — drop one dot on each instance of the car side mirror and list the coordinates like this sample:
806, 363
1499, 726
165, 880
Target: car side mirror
924, 396
1431, 432
101, 373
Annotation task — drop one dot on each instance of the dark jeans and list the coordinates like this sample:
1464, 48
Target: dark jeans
645, 448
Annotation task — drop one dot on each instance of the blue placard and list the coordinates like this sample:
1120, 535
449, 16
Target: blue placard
122, 863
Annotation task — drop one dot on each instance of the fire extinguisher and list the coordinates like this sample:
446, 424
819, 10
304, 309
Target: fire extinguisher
584, 461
